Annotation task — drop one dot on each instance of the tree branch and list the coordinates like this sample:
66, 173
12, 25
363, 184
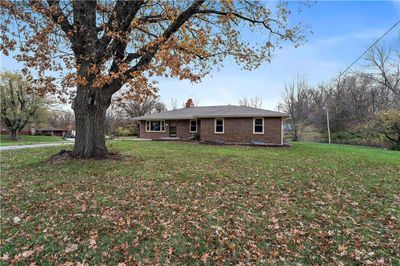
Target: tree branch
150, 51
125, 12
151, 19
251, 20
388, 137
58, 17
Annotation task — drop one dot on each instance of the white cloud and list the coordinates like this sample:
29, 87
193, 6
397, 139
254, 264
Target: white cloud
335, 40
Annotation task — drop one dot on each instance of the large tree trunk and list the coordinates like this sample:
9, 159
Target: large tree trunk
14, 135
90, 108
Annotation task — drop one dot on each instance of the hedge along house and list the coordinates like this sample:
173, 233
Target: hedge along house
228, 124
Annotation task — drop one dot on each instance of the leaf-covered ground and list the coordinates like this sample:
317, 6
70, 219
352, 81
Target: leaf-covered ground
182, 203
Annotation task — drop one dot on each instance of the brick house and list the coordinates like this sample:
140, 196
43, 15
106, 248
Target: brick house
46, 131
228, 124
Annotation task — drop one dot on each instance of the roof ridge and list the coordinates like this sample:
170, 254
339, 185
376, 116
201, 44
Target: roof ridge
256, 108
212, 111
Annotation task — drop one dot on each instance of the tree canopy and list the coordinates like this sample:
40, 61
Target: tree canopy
109, 44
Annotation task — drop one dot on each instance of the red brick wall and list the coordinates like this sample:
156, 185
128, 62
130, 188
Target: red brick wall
182, 130
22, 132
240, 130
236, 130
152, 135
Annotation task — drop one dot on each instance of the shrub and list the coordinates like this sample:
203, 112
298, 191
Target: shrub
196, 136
388, 124
359, 137
123, 132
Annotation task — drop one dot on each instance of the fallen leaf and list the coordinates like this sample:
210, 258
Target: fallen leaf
71, 248
4, 257
16, 220
68, 263
204, 258
92, 244
27, 253
170, 251
275, 253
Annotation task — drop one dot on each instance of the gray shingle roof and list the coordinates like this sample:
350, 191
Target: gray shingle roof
212, 111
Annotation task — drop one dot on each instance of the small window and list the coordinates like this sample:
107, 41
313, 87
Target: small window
258, 126
219, 125
155, 126
193, 126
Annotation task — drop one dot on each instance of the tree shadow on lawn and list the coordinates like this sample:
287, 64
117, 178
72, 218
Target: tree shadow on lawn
65, 155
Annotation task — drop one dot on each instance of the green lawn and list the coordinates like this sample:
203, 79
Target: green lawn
182, 203
28, 139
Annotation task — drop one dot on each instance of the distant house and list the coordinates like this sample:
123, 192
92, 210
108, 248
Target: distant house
47, 131
51, 131
228, 124
27, 130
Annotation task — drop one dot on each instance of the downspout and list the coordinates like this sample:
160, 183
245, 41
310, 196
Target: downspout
281, 130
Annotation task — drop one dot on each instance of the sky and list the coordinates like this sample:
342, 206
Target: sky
342, 30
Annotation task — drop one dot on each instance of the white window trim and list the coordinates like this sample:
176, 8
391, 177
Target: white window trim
215, 126
281, 130
190, 126
147, 130
254, 126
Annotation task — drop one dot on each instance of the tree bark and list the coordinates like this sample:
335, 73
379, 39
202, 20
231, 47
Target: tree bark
90, 108
14, 135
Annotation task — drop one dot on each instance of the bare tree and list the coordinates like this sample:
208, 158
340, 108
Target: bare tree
196, 102
149, 105
296, 103
18, 107
352, 100
255, 102
117, 118
384, 63
174, 104
61, 119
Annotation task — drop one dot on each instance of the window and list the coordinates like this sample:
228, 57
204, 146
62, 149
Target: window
219, 126
193, 126
258, 126
155, 126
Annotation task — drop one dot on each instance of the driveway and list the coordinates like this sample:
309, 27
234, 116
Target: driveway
30, 146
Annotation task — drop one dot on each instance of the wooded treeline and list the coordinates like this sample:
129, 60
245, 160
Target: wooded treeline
363, 106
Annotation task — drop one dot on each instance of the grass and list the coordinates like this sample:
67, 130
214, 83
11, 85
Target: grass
180, 203
28, 139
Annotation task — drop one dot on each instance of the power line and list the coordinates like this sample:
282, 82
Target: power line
358, 58
372, 45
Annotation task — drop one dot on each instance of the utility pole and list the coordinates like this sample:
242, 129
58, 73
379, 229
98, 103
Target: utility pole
327, 123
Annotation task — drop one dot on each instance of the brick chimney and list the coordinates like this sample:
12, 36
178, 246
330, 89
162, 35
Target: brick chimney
189, 103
